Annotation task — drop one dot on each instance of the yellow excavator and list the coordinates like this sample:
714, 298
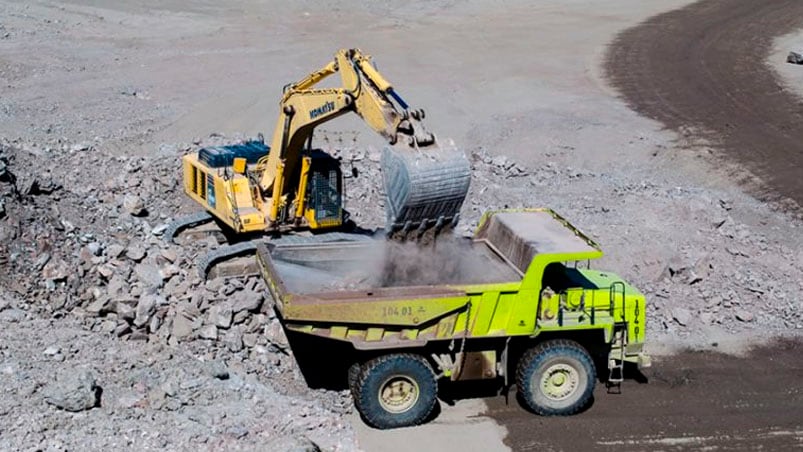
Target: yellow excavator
289, 187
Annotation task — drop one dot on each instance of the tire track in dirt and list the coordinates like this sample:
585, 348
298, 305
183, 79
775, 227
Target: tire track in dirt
703, 67
694, 400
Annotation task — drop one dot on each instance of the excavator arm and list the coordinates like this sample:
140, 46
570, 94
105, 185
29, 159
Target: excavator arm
425, 183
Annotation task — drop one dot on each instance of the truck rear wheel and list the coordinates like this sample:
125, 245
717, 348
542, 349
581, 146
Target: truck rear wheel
556, 378
396, 390
353, 375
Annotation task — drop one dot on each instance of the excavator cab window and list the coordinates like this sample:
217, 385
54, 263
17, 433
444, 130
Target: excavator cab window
326, 195
326, 187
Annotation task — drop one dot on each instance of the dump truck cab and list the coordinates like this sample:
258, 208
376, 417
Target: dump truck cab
513, 303
549, 254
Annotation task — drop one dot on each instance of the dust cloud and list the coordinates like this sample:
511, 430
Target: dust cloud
447, 260
389, 263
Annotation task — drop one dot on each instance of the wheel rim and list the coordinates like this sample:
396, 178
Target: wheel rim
398, 394
559, 381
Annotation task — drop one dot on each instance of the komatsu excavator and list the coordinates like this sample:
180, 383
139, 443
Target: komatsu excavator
289, 187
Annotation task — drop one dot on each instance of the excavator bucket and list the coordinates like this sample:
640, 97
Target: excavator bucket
425, 189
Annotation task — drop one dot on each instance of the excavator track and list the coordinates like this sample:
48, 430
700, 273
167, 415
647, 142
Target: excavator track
207, 261
425, 190
185, 222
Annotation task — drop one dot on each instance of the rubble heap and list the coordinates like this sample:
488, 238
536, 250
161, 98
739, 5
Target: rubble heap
87, 245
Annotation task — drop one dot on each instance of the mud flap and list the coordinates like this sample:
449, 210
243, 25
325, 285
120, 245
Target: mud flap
424, 189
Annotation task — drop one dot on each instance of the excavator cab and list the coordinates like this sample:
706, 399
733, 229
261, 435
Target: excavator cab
324, 193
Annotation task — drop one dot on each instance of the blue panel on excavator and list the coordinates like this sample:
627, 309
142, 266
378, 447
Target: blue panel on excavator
220, 156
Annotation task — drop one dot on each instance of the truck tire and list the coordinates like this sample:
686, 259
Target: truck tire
396, 390
353, 375
556, 378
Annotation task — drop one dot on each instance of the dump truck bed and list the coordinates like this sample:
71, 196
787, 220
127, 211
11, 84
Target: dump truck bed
379, 281
395, 293
501, 252
378, 264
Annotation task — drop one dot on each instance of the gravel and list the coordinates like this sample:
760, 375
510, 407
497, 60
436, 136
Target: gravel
112, 394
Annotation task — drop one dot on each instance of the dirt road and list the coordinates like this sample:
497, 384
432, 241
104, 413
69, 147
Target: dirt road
703, 68
701, 71
694, 400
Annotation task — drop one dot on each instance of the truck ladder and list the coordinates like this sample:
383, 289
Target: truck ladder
616, 366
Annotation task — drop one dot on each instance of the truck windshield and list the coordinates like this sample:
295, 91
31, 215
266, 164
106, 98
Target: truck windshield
558, 277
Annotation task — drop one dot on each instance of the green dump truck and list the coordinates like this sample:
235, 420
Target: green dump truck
512, 304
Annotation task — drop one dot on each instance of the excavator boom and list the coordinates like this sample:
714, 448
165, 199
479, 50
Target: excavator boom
425, 183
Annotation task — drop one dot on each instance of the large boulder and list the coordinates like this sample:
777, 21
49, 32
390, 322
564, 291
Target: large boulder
75, 392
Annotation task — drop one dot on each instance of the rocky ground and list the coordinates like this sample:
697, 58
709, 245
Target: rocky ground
91, 256
110, 339
95, 251
717, 274
73, 389
133, 334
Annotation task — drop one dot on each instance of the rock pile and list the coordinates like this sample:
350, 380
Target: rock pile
88, 392
91, 249
95, 251
121, 279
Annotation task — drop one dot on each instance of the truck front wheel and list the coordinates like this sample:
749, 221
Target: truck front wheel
396, 390
556, 378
